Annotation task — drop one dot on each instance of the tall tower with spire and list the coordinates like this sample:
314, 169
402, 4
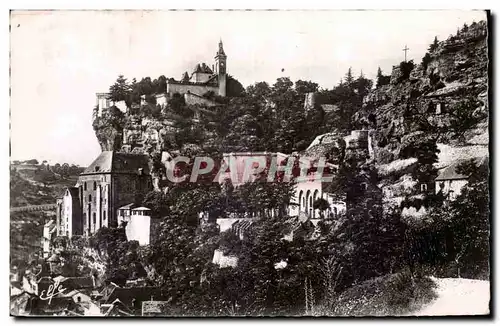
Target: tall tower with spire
220, 69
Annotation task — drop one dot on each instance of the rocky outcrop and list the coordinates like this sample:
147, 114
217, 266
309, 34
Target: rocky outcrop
108, 129
422, 103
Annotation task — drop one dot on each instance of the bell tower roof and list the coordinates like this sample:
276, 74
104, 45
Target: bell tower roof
220, 52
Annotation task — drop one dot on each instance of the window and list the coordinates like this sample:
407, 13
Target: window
93, 218
423, 187
90, 198
95, 185
79, 299
85, 186
104, 215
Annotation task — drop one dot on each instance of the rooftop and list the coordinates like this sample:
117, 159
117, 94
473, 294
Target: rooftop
450, 172
128, 206
114, 162
141, 209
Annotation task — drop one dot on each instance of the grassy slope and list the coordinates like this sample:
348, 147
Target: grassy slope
24, 190
26, 228
388, 295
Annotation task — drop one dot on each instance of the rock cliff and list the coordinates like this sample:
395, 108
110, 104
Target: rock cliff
422, 100
441, 100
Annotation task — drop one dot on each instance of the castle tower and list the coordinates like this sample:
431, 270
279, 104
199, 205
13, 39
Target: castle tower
220, 69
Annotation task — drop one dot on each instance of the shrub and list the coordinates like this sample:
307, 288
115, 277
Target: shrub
425, 61
406, 67
391, 294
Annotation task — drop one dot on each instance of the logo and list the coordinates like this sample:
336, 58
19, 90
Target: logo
53, 290
241, 168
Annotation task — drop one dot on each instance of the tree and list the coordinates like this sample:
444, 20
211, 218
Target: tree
406, 68
244, 135
433, 47
120, 90
146, 86
382, 79
362, 86
426, 60
177, 105
465, 28
426, 151
160, 85
262, 287
303, 87
56, 168
134, 94
234, 87
321, 204
44, 176
465, 116
470, 225
158, 202
65, 170
348, 77
121, 256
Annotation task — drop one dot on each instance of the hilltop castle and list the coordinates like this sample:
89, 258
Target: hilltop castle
203, 79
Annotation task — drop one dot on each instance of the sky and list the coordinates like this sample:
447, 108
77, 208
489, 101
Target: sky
60, 59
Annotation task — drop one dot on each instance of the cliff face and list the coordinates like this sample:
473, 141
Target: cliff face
108, 128
442, 99
131, 133
421, 102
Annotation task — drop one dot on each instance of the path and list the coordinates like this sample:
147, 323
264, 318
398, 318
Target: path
33, 208
458, 296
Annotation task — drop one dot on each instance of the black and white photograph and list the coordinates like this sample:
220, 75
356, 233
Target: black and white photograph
250, 163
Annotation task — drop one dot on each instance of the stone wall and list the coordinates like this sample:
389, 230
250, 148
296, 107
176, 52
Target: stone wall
173, 88
200, 77
192, 99
138, 229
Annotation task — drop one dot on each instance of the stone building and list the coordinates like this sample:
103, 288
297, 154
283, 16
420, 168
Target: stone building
69, 213
192, 87
49, 230
111, 181
138, 223
450, 183
203, 79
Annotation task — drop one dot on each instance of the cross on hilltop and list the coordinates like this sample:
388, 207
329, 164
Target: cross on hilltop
406, 50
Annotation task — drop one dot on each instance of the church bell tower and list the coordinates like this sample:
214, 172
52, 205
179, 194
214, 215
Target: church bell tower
220, 69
